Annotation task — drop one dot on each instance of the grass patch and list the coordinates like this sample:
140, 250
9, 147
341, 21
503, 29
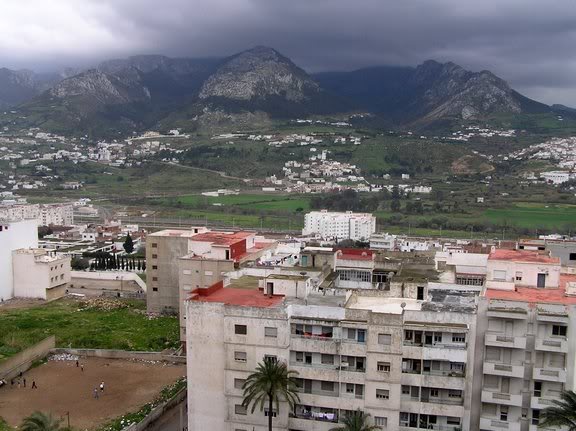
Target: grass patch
126, 329
533, 215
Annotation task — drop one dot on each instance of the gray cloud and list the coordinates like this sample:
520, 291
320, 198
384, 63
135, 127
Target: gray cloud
527, 42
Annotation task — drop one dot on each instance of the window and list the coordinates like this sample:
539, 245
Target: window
270, 331
405, 390
458, 338
535, 417
154, 278
434, 393
154, 289
240, 329
380, 421
382, 394
272, 358
559, 330
238, 383
538, 389
504, 413
383, 367
385, 339
154, 245
239, 409
450, 420
327, 386
267, 412
327, 359
154, 266
299, 357
154, 256
349, 388
240, 356
572, 256
454, 393
518, 276
499, 275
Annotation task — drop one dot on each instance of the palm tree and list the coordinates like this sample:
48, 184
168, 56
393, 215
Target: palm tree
39, 421
562, 413
272, 382
356, 421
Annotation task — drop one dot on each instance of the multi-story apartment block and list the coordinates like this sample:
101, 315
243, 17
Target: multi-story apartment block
13, 236
527, 328
45, 214
406, 361
179, 261
340, 225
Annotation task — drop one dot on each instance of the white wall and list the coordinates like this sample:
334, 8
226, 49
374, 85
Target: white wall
20, 234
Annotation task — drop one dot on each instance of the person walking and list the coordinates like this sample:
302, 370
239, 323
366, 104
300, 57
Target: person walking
96, 393
34, 384
77, 363
24, 381
82, 367
102, 387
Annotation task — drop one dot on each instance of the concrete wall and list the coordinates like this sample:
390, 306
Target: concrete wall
23, 360
105, 277
158, 411
122, 354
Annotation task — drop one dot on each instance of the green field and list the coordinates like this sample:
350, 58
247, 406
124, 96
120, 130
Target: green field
125, 329
274, 202
552, 216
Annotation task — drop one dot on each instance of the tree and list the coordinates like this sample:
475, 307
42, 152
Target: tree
128, 244
395, 205
356, 421
272, 382
39, 421
79, 264
562, 413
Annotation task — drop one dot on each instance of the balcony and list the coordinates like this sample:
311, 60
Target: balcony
489, 424
501, 340
307, 424
431, 427
436, 352
506, 370
538, 428
434, 380
541, 402
500, 398
550, 374
314, 344
552, 345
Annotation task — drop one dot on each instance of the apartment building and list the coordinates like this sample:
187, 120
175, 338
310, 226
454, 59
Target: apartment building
526, 324
45, 214
39, 274
14, 235
406, 361
179, 261
340, 225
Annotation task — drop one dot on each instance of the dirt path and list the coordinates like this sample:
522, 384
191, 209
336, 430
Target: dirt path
62, 387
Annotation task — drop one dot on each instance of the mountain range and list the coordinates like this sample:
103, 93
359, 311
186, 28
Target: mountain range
127, 95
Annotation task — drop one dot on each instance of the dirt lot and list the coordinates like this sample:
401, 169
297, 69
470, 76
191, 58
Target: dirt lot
62, 387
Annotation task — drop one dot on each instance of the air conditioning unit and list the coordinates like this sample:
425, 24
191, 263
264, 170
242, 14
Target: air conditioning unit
344, 364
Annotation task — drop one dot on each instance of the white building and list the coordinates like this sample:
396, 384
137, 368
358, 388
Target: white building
13, 236
45, 214
37, 274
383, 241
339, 225
556, 177
406, 362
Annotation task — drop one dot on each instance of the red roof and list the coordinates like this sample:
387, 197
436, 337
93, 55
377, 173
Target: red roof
354, 254
240, 297
534, 295
523, 256
222, 238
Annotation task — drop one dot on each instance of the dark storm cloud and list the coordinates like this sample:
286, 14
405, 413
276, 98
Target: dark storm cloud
529, 43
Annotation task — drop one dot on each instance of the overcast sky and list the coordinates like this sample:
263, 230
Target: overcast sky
530, 43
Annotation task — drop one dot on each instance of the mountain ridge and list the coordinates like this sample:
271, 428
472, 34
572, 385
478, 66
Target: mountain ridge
141, 91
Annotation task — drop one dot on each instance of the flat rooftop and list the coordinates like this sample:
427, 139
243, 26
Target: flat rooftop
175, 233
378, 304
534, 295
222, 238
523, 256
241, 295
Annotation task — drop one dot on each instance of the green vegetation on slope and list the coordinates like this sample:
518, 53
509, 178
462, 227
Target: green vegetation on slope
127, 328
